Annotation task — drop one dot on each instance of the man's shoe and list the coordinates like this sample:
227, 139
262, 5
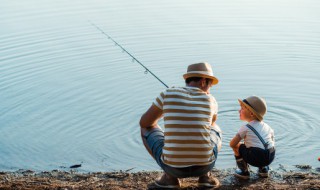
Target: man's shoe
208, 181
242, 174
168, 182
264, 171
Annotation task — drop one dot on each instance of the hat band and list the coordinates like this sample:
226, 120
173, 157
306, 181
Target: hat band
200, 72
245, 101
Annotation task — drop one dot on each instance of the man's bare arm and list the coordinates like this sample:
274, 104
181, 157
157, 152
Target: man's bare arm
151, 117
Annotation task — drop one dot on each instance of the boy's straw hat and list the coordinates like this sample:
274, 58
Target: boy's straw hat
201, 70
256, 105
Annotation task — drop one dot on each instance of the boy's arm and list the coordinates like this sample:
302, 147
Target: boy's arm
235, 144
235, 141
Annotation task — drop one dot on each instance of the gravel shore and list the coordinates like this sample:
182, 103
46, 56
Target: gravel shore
302, 178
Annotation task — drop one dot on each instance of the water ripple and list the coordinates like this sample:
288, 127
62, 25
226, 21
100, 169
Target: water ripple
69, 95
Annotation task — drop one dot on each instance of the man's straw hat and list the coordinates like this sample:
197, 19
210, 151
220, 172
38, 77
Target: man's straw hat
201, 70
256, 105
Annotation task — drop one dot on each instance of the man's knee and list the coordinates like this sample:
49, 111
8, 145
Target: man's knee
152, 137
145, 131
144, 134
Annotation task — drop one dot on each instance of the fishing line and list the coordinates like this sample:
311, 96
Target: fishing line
124, 50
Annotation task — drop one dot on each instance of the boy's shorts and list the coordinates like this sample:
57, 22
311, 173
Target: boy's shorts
155, 142
256, 156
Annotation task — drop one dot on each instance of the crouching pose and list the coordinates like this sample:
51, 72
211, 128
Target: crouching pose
258, 147
189, 144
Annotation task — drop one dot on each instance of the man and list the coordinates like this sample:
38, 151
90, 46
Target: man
189, 145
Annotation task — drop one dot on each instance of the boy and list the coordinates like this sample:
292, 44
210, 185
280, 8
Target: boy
258, 147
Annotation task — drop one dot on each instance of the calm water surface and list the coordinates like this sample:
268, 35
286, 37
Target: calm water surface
68, 95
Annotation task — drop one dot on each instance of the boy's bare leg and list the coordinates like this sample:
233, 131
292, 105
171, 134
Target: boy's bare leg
236, 149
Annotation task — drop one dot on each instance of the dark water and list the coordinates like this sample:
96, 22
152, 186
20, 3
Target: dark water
68, 95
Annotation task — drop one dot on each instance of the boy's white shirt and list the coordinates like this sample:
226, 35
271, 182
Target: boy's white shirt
252, 140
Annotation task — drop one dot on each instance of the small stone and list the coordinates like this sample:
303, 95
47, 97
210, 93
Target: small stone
302, 166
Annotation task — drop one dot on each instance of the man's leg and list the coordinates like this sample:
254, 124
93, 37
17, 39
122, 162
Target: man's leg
145, 132
207, 179
153, 140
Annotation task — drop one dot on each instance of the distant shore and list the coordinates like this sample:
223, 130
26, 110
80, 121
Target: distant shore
303, 178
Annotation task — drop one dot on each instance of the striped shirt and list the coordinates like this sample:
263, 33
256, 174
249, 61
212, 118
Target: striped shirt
188, 113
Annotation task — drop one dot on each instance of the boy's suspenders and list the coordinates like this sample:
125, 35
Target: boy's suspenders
261, 139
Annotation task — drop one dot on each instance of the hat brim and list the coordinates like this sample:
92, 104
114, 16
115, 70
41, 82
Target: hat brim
214, 79
251, 109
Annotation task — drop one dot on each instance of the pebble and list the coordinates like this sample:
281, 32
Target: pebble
302, 166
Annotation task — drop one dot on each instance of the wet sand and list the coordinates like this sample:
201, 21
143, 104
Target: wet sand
303, 178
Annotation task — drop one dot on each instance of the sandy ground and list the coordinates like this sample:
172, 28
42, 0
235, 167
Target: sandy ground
302, 178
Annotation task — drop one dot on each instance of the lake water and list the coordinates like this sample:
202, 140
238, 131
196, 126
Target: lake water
68, 95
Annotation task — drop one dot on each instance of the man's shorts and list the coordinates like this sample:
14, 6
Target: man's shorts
256, 156
155, 142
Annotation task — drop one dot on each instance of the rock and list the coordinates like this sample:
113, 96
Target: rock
76, 166
302, 166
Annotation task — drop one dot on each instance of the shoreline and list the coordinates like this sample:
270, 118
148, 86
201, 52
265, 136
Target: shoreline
303, 178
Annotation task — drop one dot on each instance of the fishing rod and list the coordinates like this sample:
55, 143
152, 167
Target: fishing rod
124, 50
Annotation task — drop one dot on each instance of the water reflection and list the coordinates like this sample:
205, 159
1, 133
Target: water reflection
69, 96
